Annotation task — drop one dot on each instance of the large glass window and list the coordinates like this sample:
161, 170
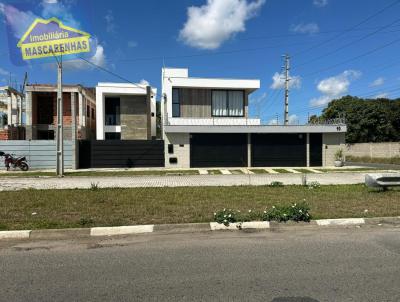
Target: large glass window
112, 112
176, 104
228, 103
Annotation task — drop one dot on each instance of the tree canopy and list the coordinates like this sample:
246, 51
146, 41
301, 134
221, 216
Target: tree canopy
368, 120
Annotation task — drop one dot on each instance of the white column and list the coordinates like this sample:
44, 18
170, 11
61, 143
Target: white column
308, 149
80, 109
100, 109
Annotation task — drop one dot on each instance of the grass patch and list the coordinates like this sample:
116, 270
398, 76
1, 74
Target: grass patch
304, 170
214, 172
281, 171
102, 173
259, 171
375, 160
110, 207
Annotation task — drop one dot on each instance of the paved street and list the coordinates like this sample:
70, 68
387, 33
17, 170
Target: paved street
176, 181
355, 264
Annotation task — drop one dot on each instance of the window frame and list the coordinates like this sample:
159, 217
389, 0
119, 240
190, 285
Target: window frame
227, 103
176, 103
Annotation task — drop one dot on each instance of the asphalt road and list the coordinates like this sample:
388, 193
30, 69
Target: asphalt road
356, 264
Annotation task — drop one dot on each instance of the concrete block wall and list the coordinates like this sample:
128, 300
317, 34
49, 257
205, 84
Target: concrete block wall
181, 143
385, 150
331, 142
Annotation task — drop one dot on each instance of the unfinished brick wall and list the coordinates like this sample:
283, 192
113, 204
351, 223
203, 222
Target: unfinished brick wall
67, 119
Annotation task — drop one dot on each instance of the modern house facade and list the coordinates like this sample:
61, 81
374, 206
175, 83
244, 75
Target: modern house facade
206, 123
125, 111
79, 108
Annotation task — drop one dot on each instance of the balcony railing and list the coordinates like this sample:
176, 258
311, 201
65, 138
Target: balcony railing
239, 121
213, 121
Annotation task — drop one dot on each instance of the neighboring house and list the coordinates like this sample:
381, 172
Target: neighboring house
125, 111
11, 104
79, 112
12, 114
206, 124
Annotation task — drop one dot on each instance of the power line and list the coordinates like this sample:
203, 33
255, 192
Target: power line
348, 44
354, 58
112, 73
350, 29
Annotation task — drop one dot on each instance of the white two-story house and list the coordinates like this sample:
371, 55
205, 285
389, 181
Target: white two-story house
205, 123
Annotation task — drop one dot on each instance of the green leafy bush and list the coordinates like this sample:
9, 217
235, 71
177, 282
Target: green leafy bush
276, 184
314, 185
283, 213
226, 216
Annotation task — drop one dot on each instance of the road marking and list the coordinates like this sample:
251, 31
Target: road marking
271, 171
122, 230
315, 171
342, 221
293, 171
225, 172
15, 234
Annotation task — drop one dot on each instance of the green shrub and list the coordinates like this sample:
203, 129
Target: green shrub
314, 185
283, 213
226, 216
276, 184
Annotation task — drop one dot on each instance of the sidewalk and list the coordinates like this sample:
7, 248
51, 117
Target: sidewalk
9, 184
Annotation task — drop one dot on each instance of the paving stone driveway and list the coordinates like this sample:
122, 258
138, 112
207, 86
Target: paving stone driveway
14, 183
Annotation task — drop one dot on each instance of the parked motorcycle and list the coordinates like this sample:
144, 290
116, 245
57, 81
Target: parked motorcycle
14, 162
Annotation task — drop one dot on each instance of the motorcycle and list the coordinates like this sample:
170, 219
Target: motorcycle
14, 162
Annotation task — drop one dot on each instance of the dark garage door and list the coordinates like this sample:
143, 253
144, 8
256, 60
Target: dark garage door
218, 150
278, 150
315, 149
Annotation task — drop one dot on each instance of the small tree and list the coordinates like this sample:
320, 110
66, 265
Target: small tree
339, 155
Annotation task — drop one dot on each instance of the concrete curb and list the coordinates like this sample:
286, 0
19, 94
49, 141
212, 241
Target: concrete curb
122, 230
192, 228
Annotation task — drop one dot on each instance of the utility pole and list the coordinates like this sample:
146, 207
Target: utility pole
287, 79
59, 132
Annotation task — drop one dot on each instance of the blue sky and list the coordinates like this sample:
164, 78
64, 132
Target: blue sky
234, 39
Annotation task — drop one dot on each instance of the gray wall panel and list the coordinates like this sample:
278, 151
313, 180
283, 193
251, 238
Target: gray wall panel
40, 154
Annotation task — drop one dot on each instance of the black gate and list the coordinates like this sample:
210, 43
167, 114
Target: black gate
121, 154
218, 150
315, 149
279, 150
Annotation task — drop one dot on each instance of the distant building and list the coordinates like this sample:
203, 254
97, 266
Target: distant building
79, 112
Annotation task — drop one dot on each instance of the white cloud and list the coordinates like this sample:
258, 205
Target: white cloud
4, 72
132, 44
258, 99
210, 25
273, 121
110, 25
293, 119
334, 87
49, 1
378, 82
381, 95
320, 3
305, 28
144, 82
278, 81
